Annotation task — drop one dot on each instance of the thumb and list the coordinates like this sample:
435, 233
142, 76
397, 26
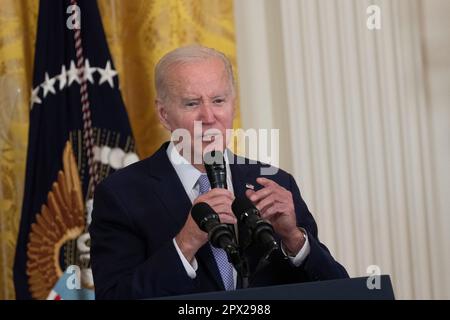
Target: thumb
249, 192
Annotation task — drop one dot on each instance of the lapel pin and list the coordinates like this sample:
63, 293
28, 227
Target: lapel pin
250, 186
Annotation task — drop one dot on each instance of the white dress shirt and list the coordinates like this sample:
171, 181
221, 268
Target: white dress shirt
189, 175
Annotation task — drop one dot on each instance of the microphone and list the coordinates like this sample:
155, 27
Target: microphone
219, 234
261, 232
215, 169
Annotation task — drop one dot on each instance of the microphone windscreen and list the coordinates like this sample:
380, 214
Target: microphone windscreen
214, 157
215, 169
241, 205
200, 212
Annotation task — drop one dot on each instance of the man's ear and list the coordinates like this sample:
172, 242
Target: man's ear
162, 114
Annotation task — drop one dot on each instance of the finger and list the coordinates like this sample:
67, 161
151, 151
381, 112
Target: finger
261, 194
265, 182
249, 193
218, 192
214, 202
269, 212
266, 202
223, 209
213, 199
225, 218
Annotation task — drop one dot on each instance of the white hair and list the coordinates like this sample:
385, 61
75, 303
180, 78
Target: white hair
183, 55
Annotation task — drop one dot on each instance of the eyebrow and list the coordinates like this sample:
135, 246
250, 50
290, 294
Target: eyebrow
224, 94
219, 96
197, 98
190, 98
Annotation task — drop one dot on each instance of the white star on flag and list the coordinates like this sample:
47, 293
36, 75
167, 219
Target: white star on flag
35, 97
107, 74
62, 77
67, 77
88, 71
73, 73
48, 85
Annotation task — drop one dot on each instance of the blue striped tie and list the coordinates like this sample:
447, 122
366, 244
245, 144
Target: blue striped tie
225, 268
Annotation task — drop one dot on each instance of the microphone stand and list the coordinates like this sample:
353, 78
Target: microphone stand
244, 270
240, 263
263, 261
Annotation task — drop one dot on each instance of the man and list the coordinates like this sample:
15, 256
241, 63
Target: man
145, 242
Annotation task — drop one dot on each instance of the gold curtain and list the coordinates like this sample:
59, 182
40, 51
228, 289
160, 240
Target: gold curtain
138, 32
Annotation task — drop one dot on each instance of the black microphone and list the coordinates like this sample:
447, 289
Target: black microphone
215, 169
261, 232
219, 234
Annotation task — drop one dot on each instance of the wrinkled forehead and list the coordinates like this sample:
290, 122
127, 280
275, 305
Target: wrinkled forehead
202, 77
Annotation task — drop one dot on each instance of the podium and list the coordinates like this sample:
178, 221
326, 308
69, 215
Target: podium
341, 289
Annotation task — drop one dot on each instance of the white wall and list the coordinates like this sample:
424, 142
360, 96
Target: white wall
364, 120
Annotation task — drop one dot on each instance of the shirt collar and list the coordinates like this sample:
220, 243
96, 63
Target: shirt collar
187, 173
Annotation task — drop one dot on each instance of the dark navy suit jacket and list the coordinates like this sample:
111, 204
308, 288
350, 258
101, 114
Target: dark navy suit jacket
138, 211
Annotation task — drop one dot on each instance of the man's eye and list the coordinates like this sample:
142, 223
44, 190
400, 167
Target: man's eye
219, 101
191, 104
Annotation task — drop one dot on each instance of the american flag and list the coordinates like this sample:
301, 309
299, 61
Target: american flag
79, 133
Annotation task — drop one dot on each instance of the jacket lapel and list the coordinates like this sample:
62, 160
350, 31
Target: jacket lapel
168, 187
238, 174
170, 190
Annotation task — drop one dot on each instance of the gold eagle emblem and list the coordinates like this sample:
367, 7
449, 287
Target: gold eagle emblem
61, 219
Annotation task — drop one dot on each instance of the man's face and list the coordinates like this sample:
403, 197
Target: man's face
198, 91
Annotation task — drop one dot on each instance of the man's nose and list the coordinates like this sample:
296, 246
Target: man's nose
207, 114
